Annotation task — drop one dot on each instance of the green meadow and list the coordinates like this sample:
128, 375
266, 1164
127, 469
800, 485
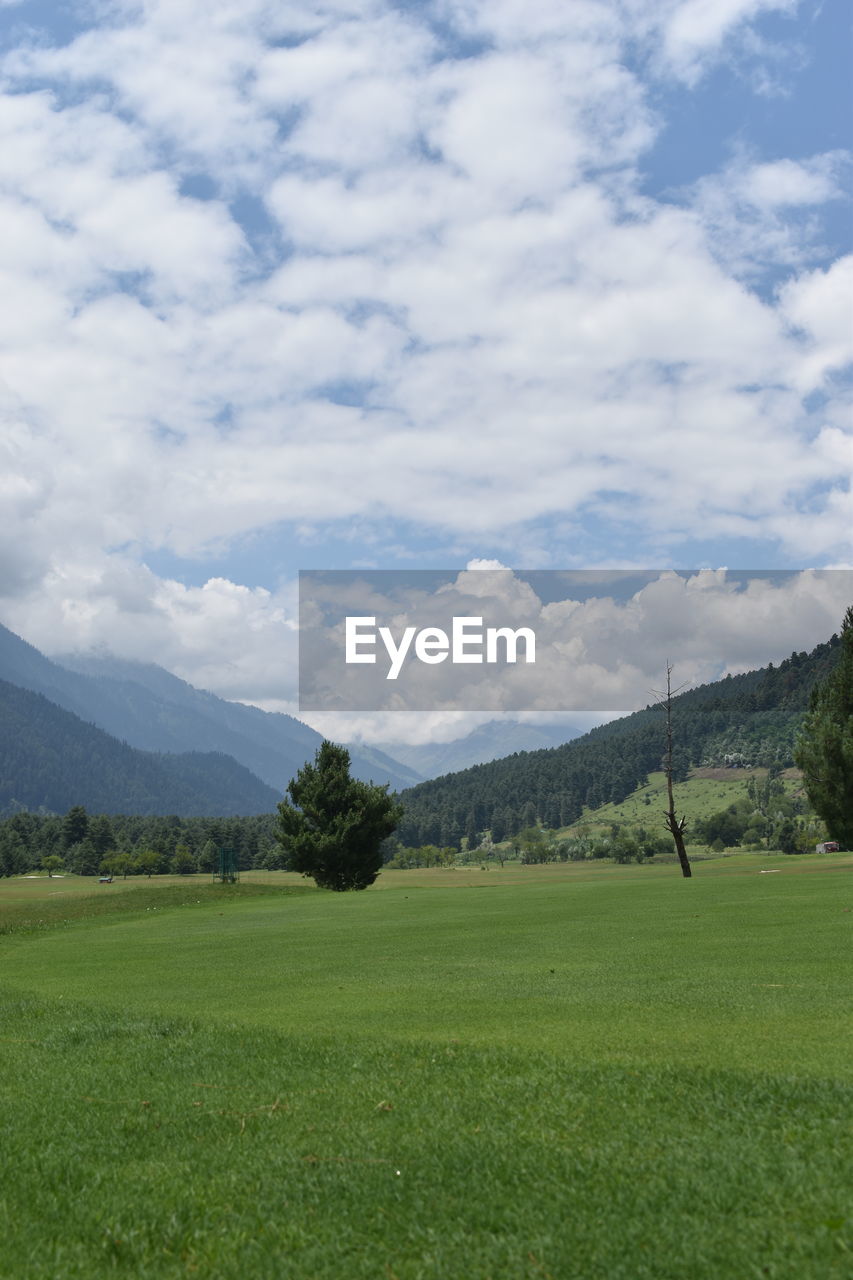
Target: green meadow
559, 1071
706, 791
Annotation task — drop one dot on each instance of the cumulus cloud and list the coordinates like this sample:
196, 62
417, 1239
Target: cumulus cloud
597, 649
692, 32
236, 641
348, 261
817, 304
761, 214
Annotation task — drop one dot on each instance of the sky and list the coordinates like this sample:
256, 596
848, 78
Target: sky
412, 285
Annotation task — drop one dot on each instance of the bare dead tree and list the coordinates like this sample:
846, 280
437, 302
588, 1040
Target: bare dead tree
674, 824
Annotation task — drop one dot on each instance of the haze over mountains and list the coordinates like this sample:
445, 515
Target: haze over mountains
155, 710
51, 760
147, 708
137, 725
490, 741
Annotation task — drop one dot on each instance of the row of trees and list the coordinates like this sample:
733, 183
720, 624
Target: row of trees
330, 826
538, 845
621, 843
87, 843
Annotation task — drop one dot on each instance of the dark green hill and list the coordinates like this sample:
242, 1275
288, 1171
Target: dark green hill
749, 719
155, 710
147, 707
51, 759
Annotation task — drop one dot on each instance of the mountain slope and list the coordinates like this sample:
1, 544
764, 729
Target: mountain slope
50, 758
149, 708
750, 719
154, 709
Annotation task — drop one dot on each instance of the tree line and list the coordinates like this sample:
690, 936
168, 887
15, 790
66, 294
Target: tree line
329, 826
87, 844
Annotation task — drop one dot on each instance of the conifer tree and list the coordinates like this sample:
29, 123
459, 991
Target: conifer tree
825, 748
333, 825
75, 826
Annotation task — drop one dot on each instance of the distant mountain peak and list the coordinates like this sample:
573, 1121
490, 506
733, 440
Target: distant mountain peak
490, 741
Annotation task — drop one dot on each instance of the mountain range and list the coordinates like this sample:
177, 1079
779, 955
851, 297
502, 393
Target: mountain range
130, 737
156, 744
143, 707
50, 760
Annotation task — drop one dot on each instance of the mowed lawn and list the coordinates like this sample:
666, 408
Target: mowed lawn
559, 1071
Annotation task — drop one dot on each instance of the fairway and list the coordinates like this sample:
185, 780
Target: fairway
563, 1071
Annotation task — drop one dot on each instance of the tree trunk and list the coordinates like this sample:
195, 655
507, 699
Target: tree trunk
675, 825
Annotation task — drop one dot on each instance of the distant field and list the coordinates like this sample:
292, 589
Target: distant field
706, 791
570, 1070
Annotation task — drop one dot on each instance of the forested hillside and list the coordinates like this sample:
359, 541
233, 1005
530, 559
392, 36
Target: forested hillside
149, 708
749, 719
51, 759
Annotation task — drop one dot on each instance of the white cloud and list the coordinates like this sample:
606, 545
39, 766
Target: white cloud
757, 215
694, 31
236, 641
820, 305
459, 244
791, 182
592, 651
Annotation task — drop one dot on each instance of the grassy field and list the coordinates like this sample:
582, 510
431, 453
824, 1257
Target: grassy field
706, 791
553, 1071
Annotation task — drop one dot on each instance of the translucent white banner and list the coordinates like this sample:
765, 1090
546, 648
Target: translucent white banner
504, 640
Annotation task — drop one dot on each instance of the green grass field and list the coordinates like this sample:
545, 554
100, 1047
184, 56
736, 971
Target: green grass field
551, 1071
706, 791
